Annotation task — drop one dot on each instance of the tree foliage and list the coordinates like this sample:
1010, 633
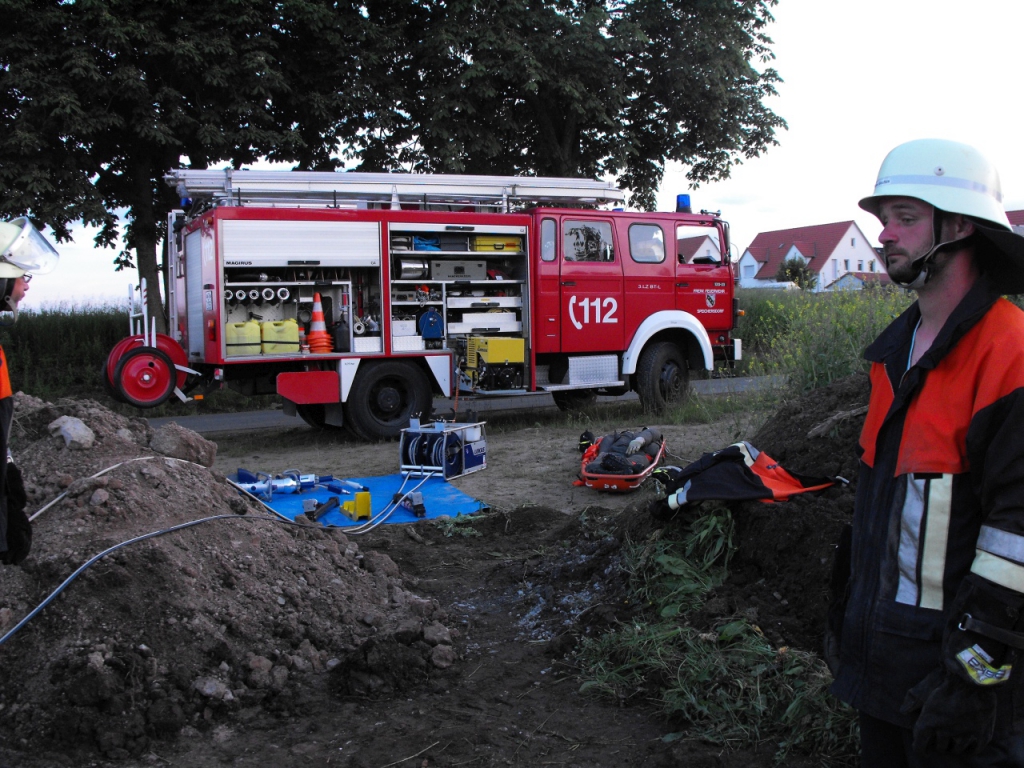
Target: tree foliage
100, 98
576, 87
795, 270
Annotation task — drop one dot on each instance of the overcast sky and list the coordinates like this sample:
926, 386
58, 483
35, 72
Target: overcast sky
860, 78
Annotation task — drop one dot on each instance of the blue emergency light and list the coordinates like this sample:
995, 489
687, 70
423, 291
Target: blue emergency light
683, 204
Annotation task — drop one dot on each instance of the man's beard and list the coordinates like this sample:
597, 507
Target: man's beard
907, 271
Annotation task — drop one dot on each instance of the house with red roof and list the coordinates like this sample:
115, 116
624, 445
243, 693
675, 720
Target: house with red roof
857, 281
1016, 221
702, 249
829, 250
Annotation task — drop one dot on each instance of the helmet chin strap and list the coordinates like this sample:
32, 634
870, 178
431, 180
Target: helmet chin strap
6, 305
924, 263
11, 306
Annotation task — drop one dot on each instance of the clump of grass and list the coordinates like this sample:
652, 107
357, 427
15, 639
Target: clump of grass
729, 685
815, 339
460, 525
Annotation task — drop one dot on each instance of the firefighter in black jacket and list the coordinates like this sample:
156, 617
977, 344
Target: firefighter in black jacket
925, 638
23, 252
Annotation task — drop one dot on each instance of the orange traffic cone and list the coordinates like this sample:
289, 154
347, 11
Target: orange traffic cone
318, 338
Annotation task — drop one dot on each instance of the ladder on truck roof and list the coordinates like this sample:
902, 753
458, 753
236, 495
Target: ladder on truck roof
350, 190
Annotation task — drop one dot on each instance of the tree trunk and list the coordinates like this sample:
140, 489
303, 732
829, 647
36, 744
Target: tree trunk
143, 240
146, 259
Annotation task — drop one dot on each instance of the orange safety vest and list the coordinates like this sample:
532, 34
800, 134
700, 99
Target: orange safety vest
5, 379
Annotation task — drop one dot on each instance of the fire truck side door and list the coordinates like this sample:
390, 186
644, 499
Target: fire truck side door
703, 279
546, 295
649, 269
591, 286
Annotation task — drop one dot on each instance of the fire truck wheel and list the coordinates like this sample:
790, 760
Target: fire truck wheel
384, 396
574, 400
145, 377
663, 380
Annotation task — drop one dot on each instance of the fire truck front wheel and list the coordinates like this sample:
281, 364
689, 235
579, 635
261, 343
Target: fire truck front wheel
663, 380
384, 396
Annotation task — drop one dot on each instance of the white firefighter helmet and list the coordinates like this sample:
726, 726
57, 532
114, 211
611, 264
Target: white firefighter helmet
948, 175
24, 249
955, 178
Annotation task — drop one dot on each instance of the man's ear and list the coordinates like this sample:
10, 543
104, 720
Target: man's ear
960, 226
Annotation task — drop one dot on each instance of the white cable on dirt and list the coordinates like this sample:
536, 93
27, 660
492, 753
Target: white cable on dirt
109, 469
259, 501
277, 518
98, 474
104, 553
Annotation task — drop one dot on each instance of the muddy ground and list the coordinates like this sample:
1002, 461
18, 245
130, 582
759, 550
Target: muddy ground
241, 641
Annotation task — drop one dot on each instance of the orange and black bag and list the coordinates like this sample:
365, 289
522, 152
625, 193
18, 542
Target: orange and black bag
738, 473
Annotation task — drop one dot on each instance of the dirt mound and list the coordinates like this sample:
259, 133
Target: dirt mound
168, 633
448, 642
784, 557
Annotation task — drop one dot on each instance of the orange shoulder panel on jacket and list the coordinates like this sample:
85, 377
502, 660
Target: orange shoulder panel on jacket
986, 365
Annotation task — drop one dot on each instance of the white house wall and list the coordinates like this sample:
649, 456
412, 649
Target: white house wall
746, 268
852, 254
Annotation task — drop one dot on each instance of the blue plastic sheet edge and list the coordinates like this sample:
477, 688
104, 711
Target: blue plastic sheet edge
439, 498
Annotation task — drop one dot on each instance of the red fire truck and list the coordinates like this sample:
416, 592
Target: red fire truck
429, 286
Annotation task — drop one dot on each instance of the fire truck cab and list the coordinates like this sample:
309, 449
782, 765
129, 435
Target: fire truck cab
358, 298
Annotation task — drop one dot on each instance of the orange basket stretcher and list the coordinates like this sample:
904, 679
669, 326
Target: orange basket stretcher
618, 483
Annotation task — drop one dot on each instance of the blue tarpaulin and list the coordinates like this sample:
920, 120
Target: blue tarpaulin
439, 498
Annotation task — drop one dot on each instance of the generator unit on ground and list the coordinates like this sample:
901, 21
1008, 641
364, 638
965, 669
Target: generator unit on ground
495, 362
442, 448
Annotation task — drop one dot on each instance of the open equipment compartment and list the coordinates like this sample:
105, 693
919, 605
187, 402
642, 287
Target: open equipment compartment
464, 288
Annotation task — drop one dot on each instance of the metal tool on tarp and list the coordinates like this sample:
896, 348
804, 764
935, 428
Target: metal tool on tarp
263, 485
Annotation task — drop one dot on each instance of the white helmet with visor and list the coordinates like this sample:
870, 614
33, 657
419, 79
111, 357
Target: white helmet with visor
23, 252
24, 249
954, 178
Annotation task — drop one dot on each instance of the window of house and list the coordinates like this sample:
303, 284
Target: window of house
587, 241
646, 243
871, 266
748, 270
860, 266
846, 265
547, 240
835, 268
853, 242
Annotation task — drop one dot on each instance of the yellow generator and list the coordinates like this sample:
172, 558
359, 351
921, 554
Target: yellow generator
495, 363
